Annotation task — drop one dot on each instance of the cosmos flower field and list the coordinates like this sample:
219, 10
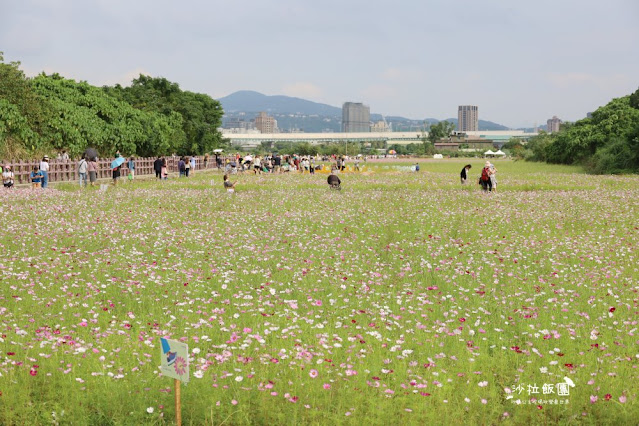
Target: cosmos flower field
403, 298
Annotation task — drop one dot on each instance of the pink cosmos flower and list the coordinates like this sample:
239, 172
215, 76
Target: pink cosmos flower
313, 373
328, 386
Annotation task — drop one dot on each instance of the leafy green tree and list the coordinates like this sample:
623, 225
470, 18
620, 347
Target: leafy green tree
440, 130
201, 114
634, 99
85, 116
23, 114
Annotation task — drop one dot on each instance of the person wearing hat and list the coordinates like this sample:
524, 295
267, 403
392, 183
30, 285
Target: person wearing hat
484, 179
7, 177
492, 172
44, 168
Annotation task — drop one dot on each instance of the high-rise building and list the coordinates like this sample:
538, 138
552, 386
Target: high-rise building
380, 127
265, 123
553, 124
468, 118
356, 117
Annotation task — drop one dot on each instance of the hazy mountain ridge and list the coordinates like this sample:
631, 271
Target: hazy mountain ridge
300, 114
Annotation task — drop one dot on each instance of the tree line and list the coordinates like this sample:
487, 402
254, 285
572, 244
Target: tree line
607, 142
49, 113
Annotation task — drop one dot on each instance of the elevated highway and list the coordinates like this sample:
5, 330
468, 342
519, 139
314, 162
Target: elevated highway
250, 140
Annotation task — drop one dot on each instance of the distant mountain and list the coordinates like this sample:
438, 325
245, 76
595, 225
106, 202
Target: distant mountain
249, 101
483, 125
308, 116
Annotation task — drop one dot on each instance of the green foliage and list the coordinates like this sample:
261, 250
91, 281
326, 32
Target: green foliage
440, 130
152, 117
84, 115
634, 99
604, 143
537, 146
201, 115
22, 114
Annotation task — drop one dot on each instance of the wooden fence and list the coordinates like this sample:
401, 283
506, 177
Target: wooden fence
67, 171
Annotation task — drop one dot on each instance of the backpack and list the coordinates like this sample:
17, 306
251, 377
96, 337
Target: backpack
82, 166
484, 174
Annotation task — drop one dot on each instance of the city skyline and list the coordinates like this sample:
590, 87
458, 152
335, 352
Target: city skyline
416, 60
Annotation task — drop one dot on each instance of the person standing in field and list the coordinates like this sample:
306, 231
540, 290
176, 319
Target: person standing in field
82, 171
493, 177
164, 170
116, 175
277, 164
257, 165
416, 167
181, 166
157, 167
44, 168
93, 170
484, 178
206, 160
187, 166
464, 174
131, 168
36, 177
193, 164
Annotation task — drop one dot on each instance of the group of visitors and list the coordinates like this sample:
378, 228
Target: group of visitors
87, 169
487, 179
186, 165
39, 175
275, 163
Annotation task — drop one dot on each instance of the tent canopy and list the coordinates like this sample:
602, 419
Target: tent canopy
500, 152
489, 152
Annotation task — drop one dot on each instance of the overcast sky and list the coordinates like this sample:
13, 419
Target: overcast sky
520, 61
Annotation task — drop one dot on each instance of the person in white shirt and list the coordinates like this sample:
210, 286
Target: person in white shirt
257, 165
44, 168
82, 171
7, 177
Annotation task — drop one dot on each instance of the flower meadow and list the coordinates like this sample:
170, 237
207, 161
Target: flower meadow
402, 298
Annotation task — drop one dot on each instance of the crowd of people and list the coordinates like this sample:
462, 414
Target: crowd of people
275, 163
87, 168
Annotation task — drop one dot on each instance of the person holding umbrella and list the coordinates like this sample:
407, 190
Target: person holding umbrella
91, 153
116, 165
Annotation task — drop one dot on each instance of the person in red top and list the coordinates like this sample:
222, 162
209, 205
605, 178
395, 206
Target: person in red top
484, 179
